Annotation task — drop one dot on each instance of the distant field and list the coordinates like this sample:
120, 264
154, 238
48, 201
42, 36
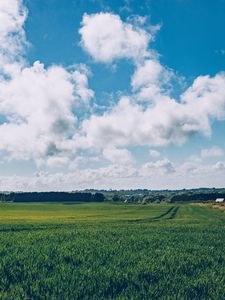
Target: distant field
111, 251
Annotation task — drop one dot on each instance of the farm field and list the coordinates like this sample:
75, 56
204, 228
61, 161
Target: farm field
111, 251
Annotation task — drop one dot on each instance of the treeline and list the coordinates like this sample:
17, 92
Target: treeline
52, 197
135, 196
193, 197
168, 197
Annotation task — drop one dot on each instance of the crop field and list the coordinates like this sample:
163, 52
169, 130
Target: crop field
111, 251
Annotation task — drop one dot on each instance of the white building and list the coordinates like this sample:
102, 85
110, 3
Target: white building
219, 200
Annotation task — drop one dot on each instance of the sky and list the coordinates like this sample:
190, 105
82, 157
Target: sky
112, 94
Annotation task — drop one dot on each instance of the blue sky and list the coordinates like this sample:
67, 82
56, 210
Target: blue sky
112, 94
190, 40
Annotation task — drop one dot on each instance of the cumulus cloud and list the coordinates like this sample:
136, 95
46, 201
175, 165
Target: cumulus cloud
220, 165
147, 73
151, 80
85, 160
106, 38
207, 94
38, 106
154, 153
146, 80
162, 120
12, 36
212, 152
37, 103
188, 167
167, 121
163, 166
80, 81
117, 156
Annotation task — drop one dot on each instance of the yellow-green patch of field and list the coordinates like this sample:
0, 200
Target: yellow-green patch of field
67, 212
220, 206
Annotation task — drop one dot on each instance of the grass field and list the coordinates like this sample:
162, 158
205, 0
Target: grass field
111, 251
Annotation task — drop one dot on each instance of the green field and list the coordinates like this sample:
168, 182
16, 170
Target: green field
111, 251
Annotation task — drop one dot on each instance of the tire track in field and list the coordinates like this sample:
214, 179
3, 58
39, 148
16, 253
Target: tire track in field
167, 215
170, 210
174, 212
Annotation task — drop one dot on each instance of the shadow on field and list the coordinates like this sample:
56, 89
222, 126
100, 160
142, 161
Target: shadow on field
29, 228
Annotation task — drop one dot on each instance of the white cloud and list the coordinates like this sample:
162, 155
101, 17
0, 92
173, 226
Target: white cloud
212, 152
85, 161
207, 97
151, 81
12, 36
40, 120
165, 122
80, 81
103, 177
106, 38
163, 166
57, 161
158, 175
37, 103
117, 156
188, 167
154, 153
220, 165
150, 72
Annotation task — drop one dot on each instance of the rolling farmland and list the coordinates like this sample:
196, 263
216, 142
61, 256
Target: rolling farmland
111, 251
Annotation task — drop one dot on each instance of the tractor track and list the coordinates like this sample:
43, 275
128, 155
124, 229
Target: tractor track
167, 215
